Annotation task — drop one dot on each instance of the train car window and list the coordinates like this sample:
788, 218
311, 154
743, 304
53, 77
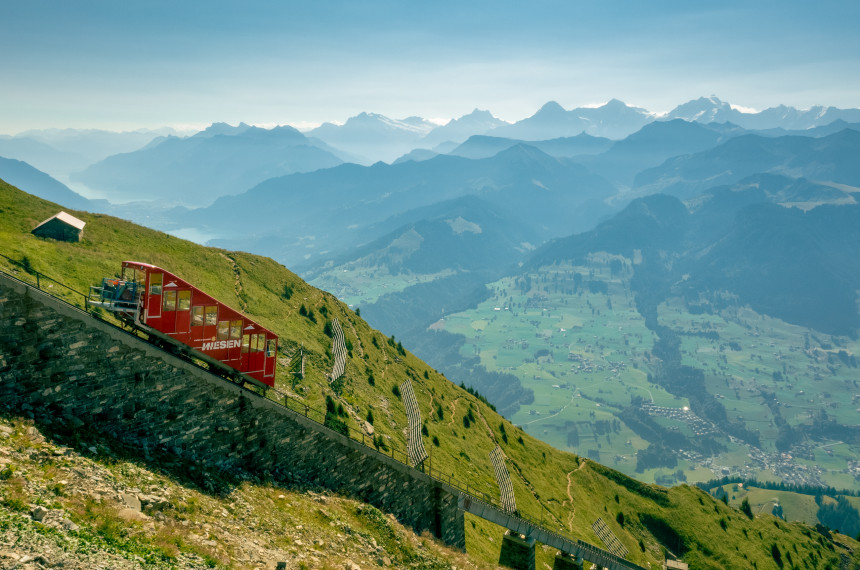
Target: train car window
169, 301
197, 316
236, 329
270, 348
155, 280
257, 342
246, 343
183, 300
223, 330
211, 314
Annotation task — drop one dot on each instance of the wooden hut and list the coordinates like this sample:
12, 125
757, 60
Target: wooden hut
62, 226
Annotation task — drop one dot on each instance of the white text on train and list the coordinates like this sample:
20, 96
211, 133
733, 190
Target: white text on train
219, 344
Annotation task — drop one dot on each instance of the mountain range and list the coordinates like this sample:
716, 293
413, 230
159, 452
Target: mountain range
712, 110
485, 146
196, 170
830, 159
59, 152
310, 214
613, 120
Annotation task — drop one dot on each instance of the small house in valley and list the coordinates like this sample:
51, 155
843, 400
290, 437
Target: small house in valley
62, 226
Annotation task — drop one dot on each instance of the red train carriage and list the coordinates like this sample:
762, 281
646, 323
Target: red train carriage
171, 309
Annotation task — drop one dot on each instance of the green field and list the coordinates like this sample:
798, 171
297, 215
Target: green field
572, 334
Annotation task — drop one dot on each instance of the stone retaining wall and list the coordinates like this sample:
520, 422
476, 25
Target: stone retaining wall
61, 362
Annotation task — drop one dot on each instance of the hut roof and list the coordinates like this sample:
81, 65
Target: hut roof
66, 218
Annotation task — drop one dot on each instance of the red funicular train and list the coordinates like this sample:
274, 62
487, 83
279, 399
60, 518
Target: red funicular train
174, 311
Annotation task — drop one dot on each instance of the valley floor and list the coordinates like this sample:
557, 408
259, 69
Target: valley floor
573, 335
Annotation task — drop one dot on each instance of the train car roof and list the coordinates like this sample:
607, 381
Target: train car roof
140, 264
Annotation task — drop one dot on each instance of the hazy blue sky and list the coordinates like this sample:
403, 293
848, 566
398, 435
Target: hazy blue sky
120, 64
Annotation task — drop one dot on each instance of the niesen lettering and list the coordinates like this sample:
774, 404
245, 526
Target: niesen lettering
220, 344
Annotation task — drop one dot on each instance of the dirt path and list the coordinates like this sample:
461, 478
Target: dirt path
490, 431
569, 496
237, 281
569, 500
453, 411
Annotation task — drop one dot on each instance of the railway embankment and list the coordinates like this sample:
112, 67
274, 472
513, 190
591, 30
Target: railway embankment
59, 364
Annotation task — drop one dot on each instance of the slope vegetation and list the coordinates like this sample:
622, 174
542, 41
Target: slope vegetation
565, 491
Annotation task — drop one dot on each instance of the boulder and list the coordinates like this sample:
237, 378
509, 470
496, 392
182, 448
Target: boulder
39, 513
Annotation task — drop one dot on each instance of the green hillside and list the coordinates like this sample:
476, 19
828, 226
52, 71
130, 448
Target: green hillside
565, 491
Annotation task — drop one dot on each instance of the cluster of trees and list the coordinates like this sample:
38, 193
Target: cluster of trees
653, 456
333, 414
778, 486
839, 515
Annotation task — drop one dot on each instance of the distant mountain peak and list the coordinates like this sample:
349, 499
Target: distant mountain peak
458, 130
223, 129
713, 101
417, 125
525, 152
478, 114
285, 129
550, 108
615, 103
363, 116
703, 110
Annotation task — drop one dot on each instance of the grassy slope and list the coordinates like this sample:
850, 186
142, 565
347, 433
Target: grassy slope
559, 488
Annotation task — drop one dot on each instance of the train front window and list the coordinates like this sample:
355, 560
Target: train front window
155, 280
270, 348
197, 316
169, 301
236, 329
223, 330
183, 300
211, 315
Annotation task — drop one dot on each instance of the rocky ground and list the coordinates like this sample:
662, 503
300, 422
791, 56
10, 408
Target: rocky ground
77, 501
